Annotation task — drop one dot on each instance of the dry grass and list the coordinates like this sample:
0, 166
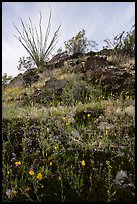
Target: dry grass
67, 76
123, 62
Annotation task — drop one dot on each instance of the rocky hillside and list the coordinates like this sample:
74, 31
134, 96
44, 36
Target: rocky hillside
100, 68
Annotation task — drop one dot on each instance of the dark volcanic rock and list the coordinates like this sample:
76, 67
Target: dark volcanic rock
30, 76
76, 55
95, 61
86, 116
51, 90
40, 97
113, 80
54, 83
57, 61
17, 81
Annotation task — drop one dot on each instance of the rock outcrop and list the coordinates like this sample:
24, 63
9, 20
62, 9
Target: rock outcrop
112, 79
17, 81
95, 66
30, 76
57, 61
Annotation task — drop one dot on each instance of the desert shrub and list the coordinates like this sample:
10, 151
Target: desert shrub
79, 43
123, 43
5, 80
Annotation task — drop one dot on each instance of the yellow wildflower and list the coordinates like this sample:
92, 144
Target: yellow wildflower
83, 163
106, 132
89, 115
59, 178
31, 172
8, 172
18, 163
50, 163
108, 164
39, 176
127, 97
56, 147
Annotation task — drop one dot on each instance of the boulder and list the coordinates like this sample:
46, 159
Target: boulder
106, 51
54, 83
77, 55
57, 61
30, 76
51, 90
87, 115
17, 81
95, 61
40, 97
111, 79
91, 54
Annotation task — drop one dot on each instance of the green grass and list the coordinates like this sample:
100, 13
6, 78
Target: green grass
48, 155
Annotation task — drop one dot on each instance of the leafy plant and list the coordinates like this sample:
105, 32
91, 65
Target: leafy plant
123, 43
5, 80
25, 63
79, 43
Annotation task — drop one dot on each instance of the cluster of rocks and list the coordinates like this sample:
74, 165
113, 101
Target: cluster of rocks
57, 61
27, 78
52, 89
112, 79
85, 116
17, 81
57, 90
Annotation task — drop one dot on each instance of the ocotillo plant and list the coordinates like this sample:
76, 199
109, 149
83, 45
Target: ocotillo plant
35, 42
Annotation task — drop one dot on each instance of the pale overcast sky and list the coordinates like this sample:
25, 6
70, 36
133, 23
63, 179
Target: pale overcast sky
100, 20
